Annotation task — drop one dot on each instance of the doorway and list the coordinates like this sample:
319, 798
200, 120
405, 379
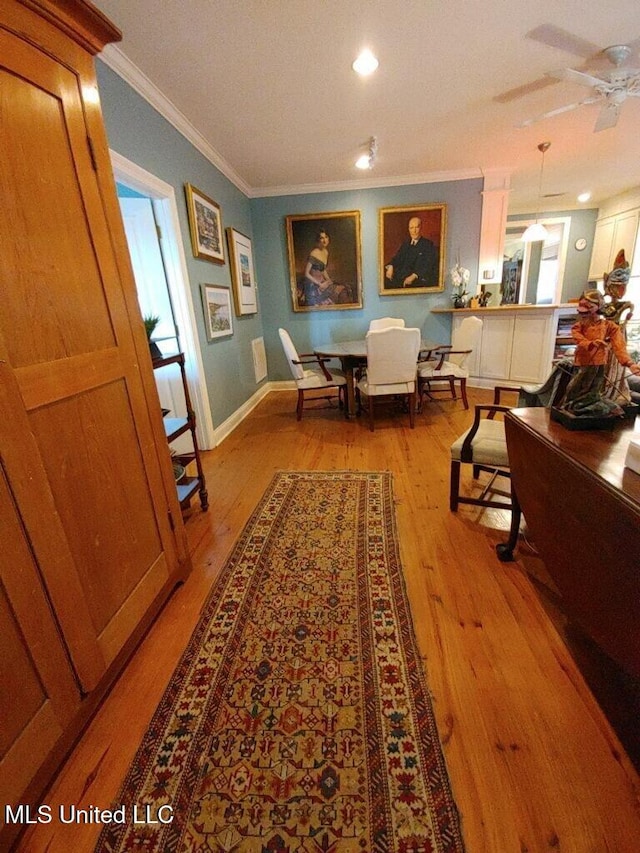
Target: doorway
163, 267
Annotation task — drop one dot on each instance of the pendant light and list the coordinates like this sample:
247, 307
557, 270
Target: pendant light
537, 232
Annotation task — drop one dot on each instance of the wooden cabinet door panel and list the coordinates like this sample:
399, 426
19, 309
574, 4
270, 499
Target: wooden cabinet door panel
81, 450
39, 693
497, 339
532, 348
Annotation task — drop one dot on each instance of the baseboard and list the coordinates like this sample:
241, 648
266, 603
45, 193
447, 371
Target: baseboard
228, 426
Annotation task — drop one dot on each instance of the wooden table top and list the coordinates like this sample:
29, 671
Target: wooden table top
602, 452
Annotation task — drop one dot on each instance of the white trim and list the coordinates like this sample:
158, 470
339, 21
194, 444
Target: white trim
166, 210
370, 183
235, 419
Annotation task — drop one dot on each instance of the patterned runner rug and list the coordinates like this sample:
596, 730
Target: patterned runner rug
298, 718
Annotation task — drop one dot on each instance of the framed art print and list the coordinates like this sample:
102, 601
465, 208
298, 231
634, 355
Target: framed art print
243, 276
205, 225
216, 302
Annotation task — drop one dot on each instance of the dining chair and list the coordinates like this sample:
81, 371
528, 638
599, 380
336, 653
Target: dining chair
312, 379
451, 365
484, 447
392, 355
386, 323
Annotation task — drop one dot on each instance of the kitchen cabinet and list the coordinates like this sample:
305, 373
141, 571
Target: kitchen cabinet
517, 344
91, 525
613, 233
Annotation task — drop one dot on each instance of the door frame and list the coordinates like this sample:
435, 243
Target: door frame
163, 199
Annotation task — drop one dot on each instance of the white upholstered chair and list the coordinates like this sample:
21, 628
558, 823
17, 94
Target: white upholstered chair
392, 355
312, 379
386, 323
451, 365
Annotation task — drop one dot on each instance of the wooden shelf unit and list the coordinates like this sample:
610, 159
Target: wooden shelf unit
187, 486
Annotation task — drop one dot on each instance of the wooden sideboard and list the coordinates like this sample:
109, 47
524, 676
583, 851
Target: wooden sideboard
582, 507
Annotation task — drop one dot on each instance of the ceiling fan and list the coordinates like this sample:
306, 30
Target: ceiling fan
607, 72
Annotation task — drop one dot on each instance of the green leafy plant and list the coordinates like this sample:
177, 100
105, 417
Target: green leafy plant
150, 323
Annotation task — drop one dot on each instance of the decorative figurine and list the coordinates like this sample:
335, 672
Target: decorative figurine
619, 311
585, 404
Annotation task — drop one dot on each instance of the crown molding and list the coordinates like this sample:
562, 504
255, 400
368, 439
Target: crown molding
370, 183
131, 74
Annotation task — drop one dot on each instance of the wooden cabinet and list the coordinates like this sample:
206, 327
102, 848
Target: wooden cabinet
187, 484
90, 516
613, 233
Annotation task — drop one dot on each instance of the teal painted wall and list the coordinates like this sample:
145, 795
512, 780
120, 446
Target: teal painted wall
310, 329
138, 132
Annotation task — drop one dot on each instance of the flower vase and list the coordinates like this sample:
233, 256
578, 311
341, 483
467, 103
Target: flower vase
458, 301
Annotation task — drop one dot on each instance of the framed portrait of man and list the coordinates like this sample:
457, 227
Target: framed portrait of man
412, 248
324, 261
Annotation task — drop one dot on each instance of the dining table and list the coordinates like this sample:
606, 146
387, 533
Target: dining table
353, 355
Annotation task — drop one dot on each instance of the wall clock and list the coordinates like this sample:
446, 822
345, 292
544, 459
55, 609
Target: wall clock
581, 244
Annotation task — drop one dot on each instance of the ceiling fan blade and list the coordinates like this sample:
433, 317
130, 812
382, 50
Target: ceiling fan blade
608, 117
561, 39
578, 77
558, 111
525, 89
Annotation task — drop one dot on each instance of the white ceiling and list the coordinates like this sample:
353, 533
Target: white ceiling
268, 84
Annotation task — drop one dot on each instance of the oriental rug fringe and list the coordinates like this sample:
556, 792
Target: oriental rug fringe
298, 718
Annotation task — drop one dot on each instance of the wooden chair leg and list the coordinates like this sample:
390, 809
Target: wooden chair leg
300, 404
454, 485
412, 409
371, 413
452, 385
463, 391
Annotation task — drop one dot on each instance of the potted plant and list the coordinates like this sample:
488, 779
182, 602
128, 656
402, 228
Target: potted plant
150, 323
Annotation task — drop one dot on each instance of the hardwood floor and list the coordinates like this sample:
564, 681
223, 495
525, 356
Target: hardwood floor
534, 763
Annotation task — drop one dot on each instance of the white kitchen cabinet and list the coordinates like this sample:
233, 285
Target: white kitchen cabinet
517, 344
612, 234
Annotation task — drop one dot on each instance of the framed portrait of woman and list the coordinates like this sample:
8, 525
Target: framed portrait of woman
412, 244
324, 261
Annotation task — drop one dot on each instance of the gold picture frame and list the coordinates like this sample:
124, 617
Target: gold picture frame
205, 226
243, 275
324, 261
407, 269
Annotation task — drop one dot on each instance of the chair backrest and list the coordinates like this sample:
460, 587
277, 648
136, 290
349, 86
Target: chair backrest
291, 353
465, 337
392, 355
386, 323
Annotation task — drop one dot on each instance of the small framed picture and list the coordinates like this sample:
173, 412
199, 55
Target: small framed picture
216, 302
205, 225
243, 276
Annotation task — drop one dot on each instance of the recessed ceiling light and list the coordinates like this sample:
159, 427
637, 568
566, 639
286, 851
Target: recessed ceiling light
366, 63
584, 197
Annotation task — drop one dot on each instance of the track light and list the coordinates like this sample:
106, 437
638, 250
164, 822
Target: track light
537, 232
368, 157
